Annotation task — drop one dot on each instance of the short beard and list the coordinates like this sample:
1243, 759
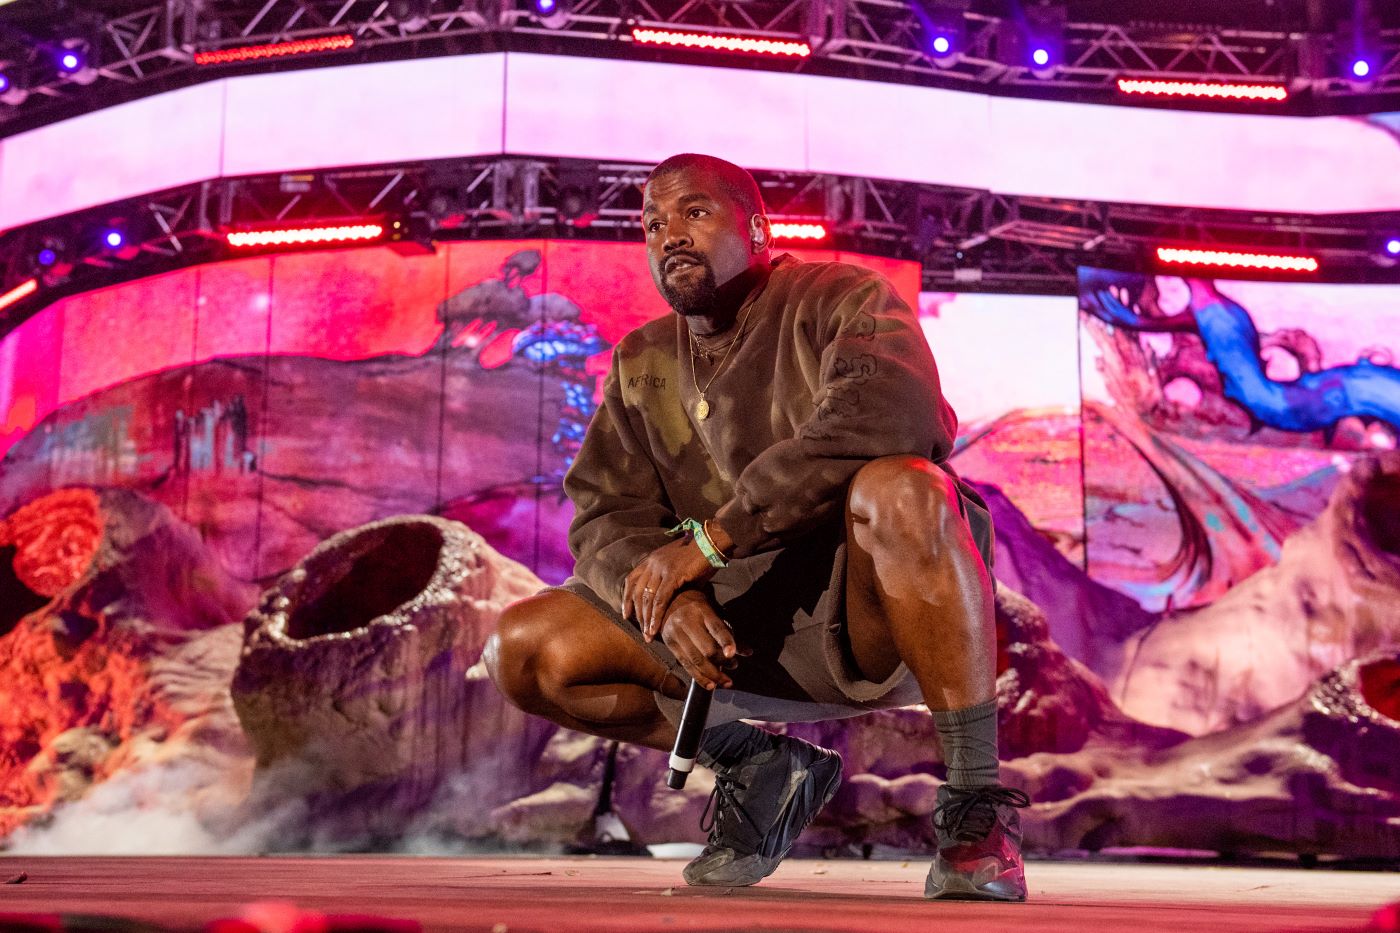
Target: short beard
693, 298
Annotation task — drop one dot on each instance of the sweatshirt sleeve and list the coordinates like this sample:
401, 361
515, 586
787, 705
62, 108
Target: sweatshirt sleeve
621, 511
879, 395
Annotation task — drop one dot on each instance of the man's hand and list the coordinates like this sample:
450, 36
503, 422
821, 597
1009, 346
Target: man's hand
701, 641
649, 588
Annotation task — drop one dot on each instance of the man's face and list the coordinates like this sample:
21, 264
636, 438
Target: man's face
698, 239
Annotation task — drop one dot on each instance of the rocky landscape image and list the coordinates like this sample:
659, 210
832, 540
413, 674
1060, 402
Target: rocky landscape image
346, 709
244, 597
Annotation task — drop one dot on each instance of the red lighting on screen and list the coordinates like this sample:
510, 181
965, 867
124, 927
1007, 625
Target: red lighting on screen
714, 42
1202, 89
23, 290
249, 53
783, 230
305, 236
1270, 262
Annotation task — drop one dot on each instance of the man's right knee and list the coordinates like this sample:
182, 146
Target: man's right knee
515, 655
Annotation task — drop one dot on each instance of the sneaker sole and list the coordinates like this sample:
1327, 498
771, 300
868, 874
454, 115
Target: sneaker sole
961, 888
751, 869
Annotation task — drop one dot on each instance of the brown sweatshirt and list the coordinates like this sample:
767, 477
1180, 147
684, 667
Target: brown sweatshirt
832, 371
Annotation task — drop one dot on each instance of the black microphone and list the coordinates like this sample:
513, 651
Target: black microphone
692, 727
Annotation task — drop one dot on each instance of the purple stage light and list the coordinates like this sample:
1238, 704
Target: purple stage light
1041, 57
4, 83
545, 6
70, 61
1361, 68
113, 238
942, 45
1392, 246
47, 257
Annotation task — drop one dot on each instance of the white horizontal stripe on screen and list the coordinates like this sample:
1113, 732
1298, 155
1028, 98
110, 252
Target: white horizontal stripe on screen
525, 104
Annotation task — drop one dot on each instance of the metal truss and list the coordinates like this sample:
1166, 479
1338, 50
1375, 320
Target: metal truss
965, 239
153, 49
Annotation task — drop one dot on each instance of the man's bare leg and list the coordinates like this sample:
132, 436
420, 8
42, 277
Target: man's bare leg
557, 657
917, 592
917, 589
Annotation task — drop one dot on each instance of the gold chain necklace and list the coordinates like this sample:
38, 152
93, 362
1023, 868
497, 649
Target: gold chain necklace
708, 353
702, 407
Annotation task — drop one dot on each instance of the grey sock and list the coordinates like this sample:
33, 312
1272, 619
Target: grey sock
969, 738
731, 742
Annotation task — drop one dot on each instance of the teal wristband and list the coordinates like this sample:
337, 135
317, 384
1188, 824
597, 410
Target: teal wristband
702, 540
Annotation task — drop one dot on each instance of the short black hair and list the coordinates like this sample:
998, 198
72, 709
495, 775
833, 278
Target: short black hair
736, 181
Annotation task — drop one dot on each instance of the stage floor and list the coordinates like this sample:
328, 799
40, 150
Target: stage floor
630, 895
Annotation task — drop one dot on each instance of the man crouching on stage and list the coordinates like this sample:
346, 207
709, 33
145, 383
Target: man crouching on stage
763, 503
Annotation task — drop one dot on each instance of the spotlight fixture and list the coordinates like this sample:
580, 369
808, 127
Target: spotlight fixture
51, 260
1236, 259
1033, 38
4, 83
1205, 90
324, 235
18, 293
578, 192
75, 60
798, 230
1357, 39
113, 238
551, 14
942, 27
1045, 38
412, 15
1392, 246
250, 53
719, 42
944, 33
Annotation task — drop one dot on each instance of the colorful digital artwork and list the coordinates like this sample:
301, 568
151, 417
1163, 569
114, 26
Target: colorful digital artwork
1220, 420
257, 519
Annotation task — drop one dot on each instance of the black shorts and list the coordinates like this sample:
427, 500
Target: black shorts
789, 607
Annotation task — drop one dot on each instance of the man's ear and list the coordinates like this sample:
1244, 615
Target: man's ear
759, 232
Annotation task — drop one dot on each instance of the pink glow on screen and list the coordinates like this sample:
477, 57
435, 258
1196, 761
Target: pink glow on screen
235, 302
387, 112
30, 362
118, 333
159, 142
342, 304
429, 108
606, 110
349, 304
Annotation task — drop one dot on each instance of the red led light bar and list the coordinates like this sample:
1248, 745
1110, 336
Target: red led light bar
22, 290
1272, 262
1203, 89
248, 53
784, 230
304, 236
717, 42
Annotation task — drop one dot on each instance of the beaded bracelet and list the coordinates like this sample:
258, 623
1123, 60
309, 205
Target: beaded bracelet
702, 540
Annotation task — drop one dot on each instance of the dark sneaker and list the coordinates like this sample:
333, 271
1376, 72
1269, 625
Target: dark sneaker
758, 809
979, 845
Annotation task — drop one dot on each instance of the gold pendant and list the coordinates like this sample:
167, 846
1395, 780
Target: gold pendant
702, 409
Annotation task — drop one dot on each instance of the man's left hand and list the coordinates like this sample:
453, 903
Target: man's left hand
649, 588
